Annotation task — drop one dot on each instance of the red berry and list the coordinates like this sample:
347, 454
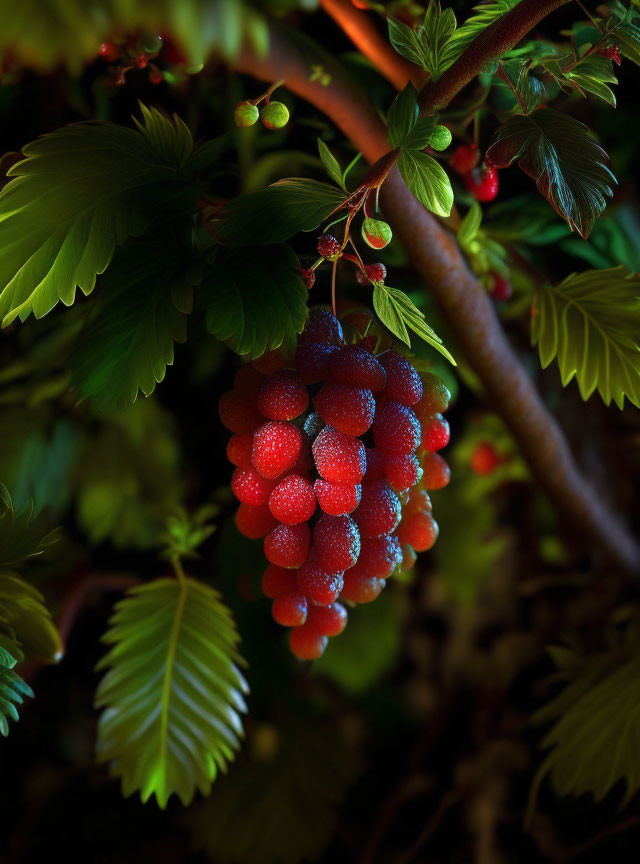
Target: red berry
464, 158
372, 273
409, 557
250, 487
323, 327
361, 588
337, 499
435, 397
418, 501
435, 435
328, 620
380, 556
238, 414
313, 425
141, 62
254, 522
155, 75
277, 581
396, 428
402, 470
322, 588
348, 409
357, 367
436, 472
329, 247
419, 530
239, 449
375, 465
611, 52
293, 500
288, 545
276, 448
485, 459
309, 277
283, 396
312, 361
379, 510
109, 51
339, 458
290, 610
306, 643
482, 183
336, 540
501, 289
269, 362
403, 382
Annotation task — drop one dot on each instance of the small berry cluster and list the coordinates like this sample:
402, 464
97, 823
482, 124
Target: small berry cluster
481, 180
272, 114
334, 454
133, 53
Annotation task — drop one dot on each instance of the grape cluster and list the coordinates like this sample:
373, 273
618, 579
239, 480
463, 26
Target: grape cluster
335, 451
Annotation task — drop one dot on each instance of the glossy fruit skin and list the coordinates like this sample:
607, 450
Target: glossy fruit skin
245, 114
485, 459
337, 518
329, 248
441, 138
109, 51
376, 233
482, 183
464, 158
275, 115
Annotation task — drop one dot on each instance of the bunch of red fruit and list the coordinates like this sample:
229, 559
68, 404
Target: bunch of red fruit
481, 180
335, 451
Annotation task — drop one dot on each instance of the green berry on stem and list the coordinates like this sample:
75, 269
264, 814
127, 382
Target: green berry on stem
245, 114
376, 233
275, 115
441, 138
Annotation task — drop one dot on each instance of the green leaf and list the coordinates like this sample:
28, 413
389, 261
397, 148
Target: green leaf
331, 164
403, 115
487, 13
366, 650
275, 214
624, 25
470, 225
12, 690
397, 312
427, 180
407, 42
22, 609
22, 536
592, 74
437, 30
243, 818
255, 300
595, 737
562, 156
530, 89
80, 191
590, 322
128, 477
128, 340
173, 692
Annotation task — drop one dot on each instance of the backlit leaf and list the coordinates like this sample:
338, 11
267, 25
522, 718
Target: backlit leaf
399, 314
427, 180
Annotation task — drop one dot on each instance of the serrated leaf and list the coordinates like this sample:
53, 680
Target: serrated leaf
12, 691
595, 737
81, 191
427, 180
275, 214
407, 42
22, 535
173, 691
562, 156
366, 650
486, 13
592, 74
397, 312
128, 340
241, 821
255, 300
590, 323
22, 609
530, 89
331, 164
437, 31
624, 24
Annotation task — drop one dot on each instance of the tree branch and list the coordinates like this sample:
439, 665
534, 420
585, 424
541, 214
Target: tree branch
369, 41
435, 255
490, 45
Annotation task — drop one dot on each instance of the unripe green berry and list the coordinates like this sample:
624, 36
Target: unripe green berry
152, 44
441, 138
246, 114
376, 233
275, 115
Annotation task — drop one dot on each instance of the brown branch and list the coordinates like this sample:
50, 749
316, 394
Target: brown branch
364, 34
435, 255
490, 45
